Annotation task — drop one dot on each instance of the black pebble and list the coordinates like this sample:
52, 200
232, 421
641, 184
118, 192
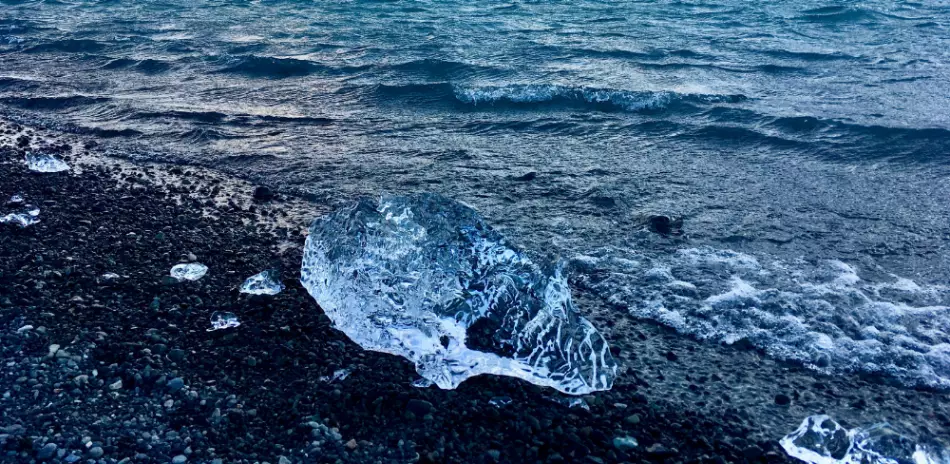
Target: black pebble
782, 399
262, 193
665, 225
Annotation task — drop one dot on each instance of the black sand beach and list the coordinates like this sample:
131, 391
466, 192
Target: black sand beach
125, 370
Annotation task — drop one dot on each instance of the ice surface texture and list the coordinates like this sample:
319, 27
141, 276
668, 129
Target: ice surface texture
424, 277
189, 271
45, 163
265, 283
223, 320
29, 216
821, 440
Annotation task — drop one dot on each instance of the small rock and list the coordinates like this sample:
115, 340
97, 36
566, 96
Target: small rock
176, 384
262, 193
180, 459
419, 407
659, 450
283, 460
665, 225
633, 419
494, 454
671, 356
782, 399
46, 452
176, 355
625, 443
96, 452
351, 444
116, 386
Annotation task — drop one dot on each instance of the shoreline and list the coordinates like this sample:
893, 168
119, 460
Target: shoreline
134, 345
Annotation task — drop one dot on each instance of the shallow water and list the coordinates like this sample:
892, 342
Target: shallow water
804, 143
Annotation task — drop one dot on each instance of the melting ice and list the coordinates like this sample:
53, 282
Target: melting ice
28, 215
223, 320
45, 163
189, 271
425, 278
821, 440
265, 283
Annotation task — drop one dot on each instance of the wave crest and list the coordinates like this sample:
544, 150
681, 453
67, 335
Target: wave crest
625, 100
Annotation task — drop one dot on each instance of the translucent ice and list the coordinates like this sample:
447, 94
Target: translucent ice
265, 283
821, 440
500, 401
425, 278
45, 163
338, 375
27, 217
223, 320
15, 200
189, 271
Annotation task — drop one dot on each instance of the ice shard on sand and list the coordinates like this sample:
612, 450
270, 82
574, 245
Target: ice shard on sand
424, 277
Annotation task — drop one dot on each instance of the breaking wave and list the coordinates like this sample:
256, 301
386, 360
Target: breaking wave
822, 314
606, 99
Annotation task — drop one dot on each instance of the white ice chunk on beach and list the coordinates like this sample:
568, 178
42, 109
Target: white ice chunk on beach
265, 283
424, 277
29, 216
45, 163
223, 320
821, 440
15, 200
189, 271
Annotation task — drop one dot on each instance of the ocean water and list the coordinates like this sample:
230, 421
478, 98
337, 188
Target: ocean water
805, 144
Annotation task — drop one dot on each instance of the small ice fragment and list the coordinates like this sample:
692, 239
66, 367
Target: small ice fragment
45, 163
223, 320
422, 382
500, 401
266, 283
821, 440
570, 402
15, 200
338, 374
110, 276
25, 328
26, 218
189, 271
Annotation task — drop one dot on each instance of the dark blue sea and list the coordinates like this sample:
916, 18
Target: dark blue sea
804, 144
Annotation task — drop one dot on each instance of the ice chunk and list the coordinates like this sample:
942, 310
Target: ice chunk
338, 374
45, 163
422, 382
265, 283
29, 216
424, 277
223, 320
15, 200
821, 440
189, 271
110, 276
500, 401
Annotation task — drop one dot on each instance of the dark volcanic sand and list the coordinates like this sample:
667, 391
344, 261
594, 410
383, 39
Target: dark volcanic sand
139, 379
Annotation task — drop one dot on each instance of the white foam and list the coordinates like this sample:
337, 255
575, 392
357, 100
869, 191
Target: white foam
823, 313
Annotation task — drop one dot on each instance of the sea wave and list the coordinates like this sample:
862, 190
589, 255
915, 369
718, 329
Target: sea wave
606, 99
823, 314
